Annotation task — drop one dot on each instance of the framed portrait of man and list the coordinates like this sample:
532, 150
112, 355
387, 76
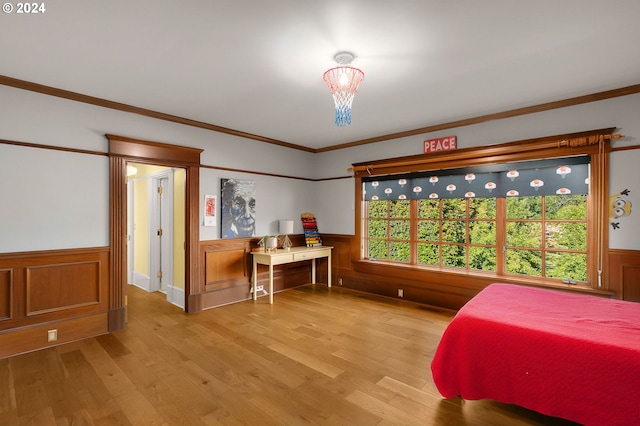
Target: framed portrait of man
237, 208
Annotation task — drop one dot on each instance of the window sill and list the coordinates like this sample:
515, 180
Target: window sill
467, 279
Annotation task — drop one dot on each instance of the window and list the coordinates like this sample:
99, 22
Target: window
547, 237
544, 236
538, 216
390, 230
457, 232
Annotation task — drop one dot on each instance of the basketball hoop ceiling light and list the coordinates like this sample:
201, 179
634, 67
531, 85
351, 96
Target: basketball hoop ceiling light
343, 82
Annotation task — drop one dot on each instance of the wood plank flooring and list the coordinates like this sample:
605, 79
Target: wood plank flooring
317, 356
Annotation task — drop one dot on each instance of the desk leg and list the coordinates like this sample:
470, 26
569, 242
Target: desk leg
270, 283
329, 270
313, 271
254, 280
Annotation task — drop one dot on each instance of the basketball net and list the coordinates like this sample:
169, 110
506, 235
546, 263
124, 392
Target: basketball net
343, 82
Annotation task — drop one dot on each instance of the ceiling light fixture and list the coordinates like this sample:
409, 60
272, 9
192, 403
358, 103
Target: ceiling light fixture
131, 170
343, 82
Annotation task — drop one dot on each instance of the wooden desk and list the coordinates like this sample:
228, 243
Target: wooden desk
296, 254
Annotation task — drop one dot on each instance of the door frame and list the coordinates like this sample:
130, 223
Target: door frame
122, 150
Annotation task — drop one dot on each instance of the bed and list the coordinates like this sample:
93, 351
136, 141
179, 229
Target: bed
562, 354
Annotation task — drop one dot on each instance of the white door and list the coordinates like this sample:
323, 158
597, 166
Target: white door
161, 233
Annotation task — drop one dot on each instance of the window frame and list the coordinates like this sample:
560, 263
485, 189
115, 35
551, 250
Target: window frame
594, 143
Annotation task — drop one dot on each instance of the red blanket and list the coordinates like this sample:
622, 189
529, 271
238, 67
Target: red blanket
564, 355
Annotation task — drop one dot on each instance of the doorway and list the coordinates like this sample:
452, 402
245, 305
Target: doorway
156, 229
121, 151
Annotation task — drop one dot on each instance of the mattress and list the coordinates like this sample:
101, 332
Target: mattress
562, 354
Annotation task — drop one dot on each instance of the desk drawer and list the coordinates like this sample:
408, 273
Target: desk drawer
304, 256
279, 259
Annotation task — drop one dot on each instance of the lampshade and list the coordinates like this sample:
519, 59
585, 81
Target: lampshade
272, 242
285, 227
343, 82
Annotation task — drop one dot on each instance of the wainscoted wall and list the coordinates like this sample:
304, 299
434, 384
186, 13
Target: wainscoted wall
225, 272
624, 272
440, 290
226, 268
450, 290
68, 290
62, 290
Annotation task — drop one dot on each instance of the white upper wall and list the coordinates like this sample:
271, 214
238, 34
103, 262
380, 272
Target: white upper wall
52, 199
35, 118
73, 188
620, 112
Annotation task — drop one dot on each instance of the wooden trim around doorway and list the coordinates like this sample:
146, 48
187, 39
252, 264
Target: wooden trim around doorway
121, 150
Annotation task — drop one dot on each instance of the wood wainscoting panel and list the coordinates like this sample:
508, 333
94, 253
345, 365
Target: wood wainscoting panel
225, 272
63, 290
6, 293
62, 286
52, 285
624, 274
14, 342
631, 283
225, 263
341, 256
224, 267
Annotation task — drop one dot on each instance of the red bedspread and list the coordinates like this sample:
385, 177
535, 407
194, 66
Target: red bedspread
564, 355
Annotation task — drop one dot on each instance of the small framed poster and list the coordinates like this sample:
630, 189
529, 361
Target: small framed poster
209, 210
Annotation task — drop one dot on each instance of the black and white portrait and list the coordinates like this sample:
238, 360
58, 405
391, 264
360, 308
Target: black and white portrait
238, 208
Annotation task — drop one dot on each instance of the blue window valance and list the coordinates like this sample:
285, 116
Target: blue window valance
558, 176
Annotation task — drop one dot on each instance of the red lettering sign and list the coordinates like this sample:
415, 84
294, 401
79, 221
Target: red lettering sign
448, 143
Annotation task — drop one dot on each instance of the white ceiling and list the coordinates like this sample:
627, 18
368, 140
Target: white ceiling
256, 66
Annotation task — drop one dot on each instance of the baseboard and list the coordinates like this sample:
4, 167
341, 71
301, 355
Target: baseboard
28, 339
142, 281
175, 296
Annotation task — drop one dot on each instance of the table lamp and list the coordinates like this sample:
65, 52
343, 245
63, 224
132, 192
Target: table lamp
285, 227
271, 244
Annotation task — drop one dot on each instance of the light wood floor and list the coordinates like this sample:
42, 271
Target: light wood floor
317, 356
